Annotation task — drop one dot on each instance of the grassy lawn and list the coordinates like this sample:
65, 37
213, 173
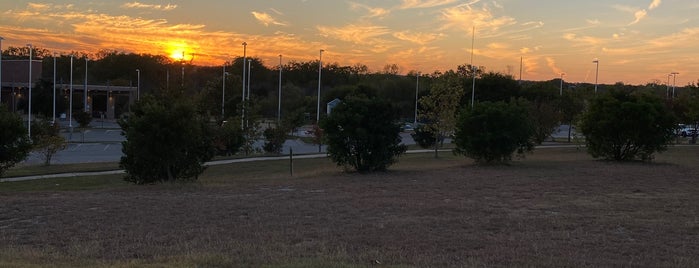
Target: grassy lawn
555, 208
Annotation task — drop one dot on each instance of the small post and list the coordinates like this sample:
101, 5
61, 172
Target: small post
291, 161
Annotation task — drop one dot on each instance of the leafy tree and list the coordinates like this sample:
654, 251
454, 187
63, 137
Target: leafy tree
542, 101
491, 132
622, 126
83, 118
440, 108
274, 140
166, 140
229, 137
14, 143
425, 138
571, 106
363, 133
46, 139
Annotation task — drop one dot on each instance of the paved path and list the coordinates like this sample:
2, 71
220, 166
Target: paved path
219, 162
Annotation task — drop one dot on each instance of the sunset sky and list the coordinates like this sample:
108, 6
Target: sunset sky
636, 41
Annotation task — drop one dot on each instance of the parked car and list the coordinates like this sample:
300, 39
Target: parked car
686, 130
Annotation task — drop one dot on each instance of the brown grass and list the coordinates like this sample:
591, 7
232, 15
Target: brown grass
555, 208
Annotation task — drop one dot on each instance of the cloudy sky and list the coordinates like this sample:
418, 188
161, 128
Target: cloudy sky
636, 41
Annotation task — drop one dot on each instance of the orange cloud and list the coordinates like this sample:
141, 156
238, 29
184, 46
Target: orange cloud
464, 17
408, 4
417, 38
138, 5
267, 19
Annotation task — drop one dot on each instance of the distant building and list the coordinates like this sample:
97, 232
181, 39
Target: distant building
331, 105
14, 90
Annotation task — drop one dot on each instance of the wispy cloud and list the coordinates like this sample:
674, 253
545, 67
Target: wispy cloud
465, 17
417, 38
551, 63
639, 15
138, 5
358, 34
267, 19
408, 4
654, 4
373, 12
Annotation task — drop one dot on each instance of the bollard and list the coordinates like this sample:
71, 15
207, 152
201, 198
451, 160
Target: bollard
291, 161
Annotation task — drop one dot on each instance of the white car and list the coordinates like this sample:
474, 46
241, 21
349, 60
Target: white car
685, 131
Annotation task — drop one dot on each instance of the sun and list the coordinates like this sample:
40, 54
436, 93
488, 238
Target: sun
177, 55
179, 51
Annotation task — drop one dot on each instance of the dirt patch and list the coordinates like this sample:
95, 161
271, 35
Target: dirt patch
554, 209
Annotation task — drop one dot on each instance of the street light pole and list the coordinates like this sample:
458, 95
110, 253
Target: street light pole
85, 91
320, 68
473, 84
70, 100
53, 119
667, 88
223, 93
417, 87
279, 98
596, 62
561, 93
242, 118
29, 121
674, 80
138, 84
1, 38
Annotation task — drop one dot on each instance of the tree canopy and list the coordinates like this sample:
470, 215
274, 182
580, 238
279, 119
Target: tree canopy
363, 133
623, 126
166, 140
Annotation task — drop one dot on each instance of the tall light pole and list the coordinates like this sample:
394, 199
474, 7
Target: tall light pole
223, 93
70, 99
1, 38
242, 118
53, 119
417, 87
596, 62
561, 93
138, 84
279, 98
667, 88
182, 69
320, 68
29, 120
247, 97
85, 91
674, 80
473, 84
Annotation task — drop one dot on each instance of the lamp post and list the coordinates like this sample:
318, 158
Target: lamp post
138, 84
417, 87
53, 119
182, 69
320, 68
85, 91
561, 91
247, 97
667, 88
674, 80
1, 38
29, 120
70, 99
223, 92
242, 118
473, 84
279, 98
596, 62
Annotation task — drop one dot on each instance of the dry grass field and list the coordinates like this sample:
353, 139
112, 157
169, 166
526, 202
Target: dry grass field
556, 208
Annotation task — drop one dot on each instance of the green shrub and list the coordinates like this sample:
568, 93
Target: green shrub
363, 133
492, 132
622, 126
166, 140
14, 142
